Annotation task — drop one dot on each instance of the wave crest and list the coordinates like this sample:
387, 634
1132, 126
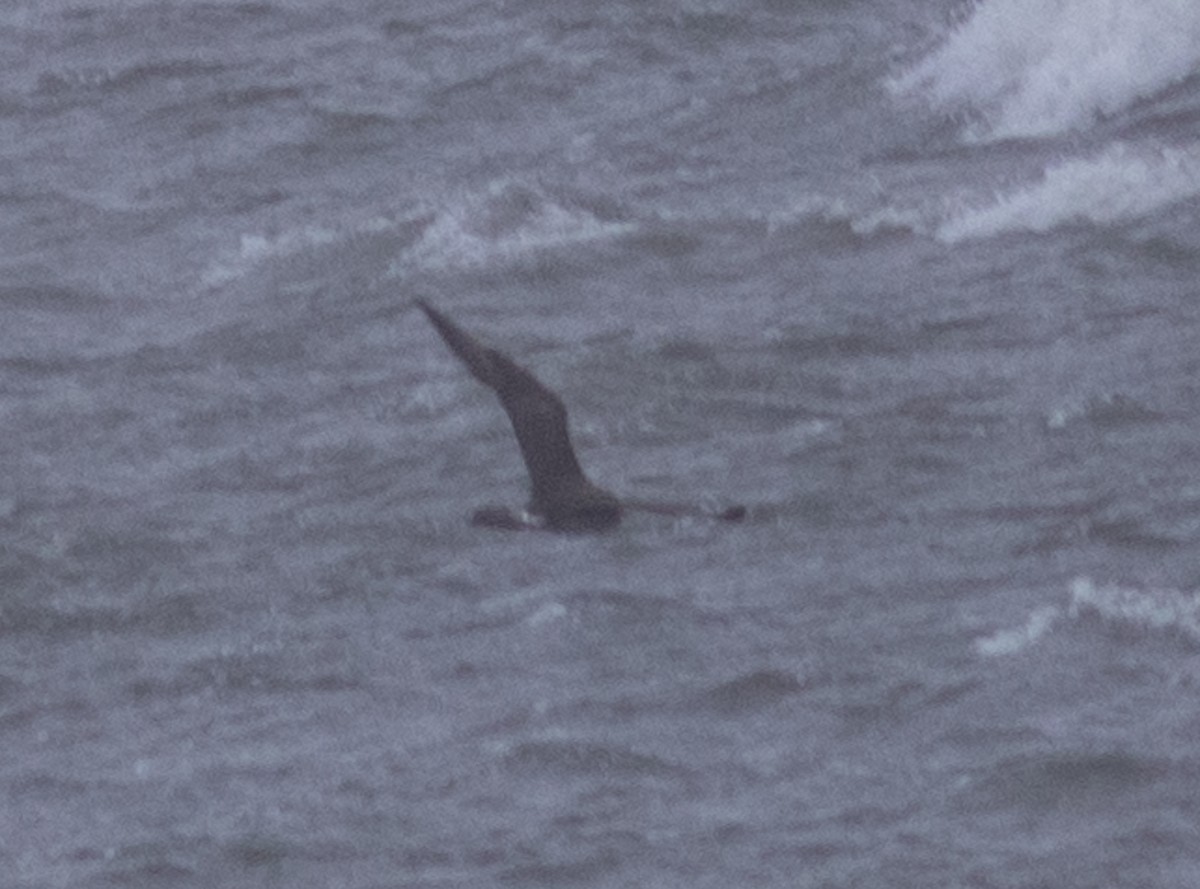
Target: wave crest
1122, 183
1033, 68
1131, 611
508, 222
1150, 609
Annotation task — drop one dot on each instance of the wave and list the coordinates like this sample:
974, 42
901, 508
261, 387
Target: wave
1033, 68
1130, 610
1040, 622
1122, 183
509, 221
1150, 609
256, 250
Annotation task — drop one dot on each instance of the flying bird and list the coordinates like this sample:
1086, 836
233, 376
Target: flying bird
562, 498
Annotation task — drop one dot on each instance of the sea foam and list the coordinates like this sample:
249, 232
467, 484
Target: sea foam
507, 222
1122, 183
1149, 608
1138, 609
1031, 68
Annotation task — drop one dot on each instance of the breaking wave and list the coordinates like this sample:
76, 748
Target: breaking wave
1122, 183
1137, 610
1031, 68
506, 222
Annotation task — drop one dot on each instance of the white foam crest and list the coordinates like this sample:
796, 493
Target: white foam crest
508, 221
1122, 183
255, 249
1150, 608
1039, 67
1005, 642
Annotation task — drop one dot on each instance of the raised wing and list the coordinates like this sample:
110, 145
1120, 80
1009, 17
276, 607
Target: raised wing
538, 416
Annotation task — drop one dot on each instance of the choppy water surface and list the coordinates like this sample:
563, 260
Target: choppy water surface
915, 281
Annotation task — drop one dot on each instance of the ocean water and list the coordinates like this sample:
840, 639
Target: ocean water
914, 280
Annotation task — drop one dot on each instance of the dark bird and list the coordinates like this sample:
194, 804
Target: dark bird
562, 496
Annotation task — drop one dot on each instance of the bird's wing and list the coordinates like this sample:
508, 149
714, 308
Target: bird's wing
538, 416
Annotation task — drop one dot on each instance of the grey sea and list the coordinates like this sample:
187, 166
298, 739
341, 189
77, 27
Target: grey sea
913, 280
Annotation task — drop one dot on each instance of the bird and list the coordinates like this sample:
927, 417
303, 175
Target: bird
562, 497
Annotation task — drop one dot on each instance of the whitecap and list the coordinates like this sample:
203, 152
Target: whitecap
1011, 641
507, 222
1034, 68
1151, 608
1140, 608
255, 249
1124, 182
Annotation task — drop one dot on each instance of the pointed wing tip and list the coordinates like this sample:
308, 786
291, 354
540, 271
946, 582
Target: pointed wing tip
430, 312
485, 364
455, 337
